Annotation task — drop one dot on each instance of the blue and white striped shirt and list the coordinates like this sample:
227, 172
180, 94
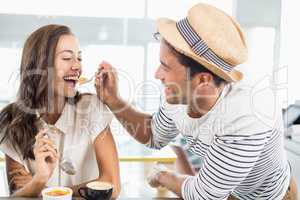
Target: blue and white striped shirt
240, 141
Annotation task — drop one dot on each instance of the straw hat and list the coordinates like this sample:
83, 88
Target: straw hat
210, 37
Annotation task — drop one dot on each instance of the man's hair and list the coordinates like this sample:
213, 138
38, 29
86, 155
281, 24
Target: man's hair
193, 66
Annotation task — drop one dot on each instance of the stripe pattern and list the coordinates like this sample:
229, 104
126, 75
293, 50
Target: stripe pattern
246, 166
199, 47
166, 128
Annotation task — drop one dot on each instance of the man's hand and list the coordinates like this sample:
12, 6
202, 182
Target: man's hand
162, 176
153, 176
106, 84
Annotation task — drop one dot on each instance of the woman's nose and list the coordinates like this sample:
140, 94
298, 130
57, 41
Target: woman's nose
76, 65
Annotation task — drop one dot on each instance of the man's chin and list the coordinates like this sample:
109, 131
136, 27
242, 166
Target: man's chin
175, 100
172, 100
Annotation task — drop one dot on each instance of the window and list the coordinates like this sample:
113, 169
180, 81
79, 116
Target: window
87, 8
9, 76
260, 61
129, 61
157, 8
289, 45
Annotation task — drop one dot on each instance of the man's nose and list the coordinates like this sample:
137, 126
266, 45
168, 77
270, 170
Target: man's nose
159, 74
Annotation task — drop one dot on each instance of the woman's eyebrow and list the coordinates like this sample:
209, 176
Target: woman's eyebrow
69, 51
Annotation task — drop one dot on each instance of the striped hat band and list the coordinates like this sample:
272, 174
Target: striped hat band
199, 47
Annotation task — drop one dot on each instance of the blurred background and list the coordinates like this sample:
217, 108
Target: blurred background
121, 32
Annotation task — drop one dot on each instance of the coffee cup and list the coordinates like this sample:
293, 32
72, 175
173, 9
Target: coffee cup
57, 193
96, 190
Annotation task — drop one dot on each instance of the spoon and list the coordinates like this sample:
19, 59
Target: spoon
65, 163
67, 166
83, 80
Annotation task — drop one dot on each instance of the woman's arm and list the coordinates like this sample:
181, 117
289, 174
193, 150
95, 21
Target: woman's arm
23, 183
17, 175
19, 180
108, 162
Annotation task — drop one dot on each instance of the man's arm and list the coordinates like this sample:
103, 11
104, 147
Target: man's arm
137, 124
156, 132
182, 164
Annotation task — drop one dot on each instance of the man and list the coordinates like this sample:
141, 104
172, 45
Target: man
243, 154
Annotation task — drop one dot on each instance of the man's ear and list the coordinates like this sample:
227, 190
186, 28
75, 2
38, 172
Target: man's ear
202, 79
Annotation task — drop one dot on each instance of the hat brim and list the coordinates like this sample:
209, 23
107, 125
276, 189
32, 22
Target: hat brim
168, 30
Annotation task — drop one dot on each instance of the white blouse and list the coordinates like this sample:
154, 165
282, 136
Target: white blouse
81, 123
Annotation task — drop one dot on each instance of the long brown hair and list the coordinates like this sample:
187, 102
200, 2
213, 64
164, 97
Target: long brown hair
17, 120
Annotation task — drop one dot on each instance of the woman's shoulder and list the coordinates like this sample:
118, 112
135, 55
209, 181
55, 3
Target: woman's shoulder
90, 109
90, 104
86, 100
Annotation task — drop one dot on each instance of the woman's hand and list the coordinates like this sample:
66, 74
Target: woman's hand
46, 156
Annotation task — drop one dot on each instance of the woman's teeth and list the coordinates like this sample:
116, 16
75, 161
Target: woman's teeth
71, 78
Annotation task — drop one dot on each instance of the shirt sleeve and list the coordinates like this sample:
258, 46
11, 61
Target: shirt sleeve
99, 117
163, 129
227, 163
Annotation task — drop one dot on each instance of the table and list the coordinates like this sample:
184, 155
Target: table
135, 164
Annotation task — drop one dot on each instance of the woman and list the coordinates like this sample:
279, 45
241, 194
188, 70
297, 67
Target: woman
50, 68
